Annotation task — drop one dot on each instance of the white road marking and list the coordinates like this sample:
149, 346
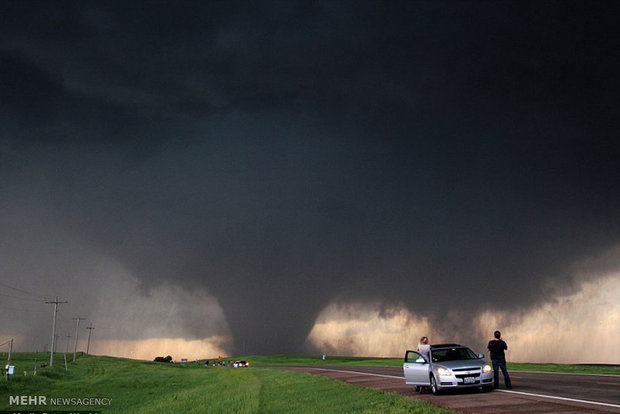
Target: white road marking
508, 391
561, 398
566, 373
360, 373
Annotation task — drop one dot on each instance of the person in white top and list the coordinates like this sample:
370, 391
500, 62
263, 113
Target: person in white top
424, 347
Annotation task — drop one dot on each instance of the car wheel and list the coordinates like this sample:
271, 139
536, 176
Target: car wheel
487, 388
434, 388
418, 388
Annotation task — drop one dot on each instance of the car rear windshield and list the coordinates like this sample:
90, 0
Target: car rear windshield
453, 354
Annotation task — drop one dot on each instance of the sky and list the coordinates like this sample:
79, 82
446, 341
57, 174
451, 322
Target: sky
202, 178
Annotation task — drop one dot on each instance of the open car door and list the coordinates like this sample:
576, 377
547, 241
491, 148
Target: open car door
416, 369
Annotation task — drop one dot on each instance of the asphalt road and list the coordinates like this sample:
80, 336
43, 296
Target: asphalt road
533, 392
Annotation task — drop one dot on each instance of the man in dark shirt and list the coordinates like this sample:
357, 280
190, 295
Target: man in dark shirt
498, 358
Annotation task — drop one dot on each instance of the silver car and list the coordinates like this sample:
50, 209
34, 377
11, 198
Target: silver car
448, 366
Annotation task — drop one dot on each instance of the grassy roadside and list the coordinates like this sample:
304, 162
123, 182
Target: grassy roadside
262, 360
565, 368
25, 361
147, 387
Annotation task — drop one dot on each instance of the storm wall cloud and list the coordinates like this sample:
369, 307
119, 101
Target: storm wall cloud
447, 158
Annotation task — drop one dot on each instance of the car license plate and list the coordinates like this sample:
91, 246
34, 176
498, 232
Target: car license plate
469, 380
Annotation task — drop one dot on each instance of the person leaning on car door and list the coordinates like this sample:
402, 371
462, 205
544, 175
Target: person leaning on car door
498, 358
424, 348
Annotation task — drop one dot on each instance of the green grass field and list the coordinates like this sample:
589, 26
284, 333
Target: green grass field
148, 387
261, 360
567, 368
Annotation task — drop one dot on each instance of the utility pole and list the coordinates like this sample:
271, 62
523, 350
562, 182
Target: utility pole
77, 320
67, 349
56, 303
8, 361
90, 328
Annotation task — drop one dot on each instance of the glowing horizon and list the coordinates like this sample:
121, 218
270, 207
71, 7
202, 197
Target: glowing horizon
557, 332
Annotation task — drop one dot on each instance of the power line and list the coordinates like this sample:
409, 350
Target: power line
23, 291
22, 298
22, 310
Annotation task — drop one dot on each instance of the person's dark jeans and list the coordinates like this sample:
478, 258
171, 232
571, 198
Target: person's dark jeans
497, 365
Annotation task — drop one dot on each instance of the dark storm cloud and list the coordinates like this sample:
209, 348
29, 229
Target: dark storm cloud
282, 155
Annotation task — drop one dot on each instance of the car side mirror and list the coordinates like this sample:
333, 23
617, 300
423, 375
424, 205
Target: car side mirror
480, 356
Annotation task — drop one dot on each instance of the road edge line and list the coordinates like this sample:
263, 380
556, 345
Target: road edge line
561, 398
359, 373
566, 373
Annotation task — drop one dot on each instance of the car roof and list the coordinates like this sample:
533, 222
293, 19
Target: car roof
436, 346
